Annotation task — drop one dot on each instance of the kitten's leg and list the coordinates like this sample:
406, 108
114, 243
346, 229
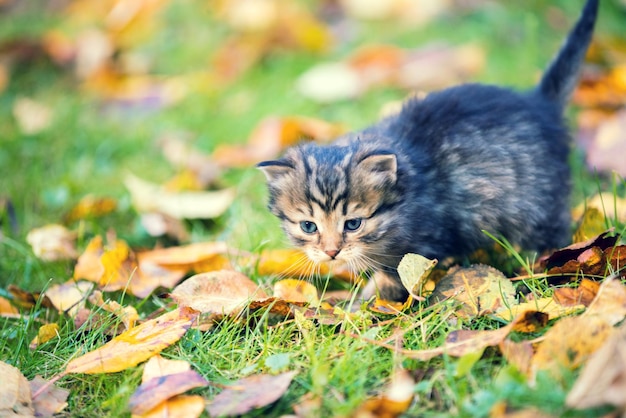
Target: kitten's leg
386, 285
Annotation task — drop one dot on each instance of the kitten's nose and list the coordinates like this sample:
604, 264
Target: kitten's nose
332, 253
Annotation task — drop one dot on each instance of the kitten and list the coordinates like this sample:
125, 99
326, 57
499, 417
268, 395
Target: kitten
430, 179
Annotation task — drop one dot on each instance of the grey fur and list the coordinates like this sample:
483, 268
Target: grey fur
430, 179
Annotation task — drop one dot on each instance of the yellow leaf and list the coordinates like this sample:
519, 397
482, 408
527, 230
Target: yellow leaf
45, 334
91, 207
8, 310
294, 263
128, 314
293, 290
135, 345
181, 406
546, 305
414, 270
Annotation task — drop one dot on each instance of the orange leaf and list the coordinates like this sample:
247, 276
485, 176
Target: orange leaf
187, 406
91, 207
8, 310
293, 290
135, 345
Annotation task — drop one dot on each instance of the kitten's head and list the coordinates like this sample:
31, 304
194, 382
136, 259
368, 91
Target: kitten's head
333, 200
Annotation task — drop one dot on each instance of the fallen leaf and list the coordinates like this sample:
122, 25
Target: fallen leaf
547, 305
159, 389
198, 257
127, 314
250, 393
478, 289
603, 377
53, 242
7, 310
88, 265
46, 333
158, 224
584, 294
591, 224
150, 197
569, 343
608, 145
271, 136
609, 205
519, 354
15, 395
49, 401
219, 292
182, 155
160, 366
395, 400
135, 345
26, 299
70, 296
91, 207
558, 258
388, 307
292, 290
32, 116
181, 406
414, 270
610, 302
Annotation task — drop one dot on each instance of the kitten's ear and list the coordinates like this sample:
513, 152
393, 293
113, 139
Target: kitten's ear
274, 170
383, 166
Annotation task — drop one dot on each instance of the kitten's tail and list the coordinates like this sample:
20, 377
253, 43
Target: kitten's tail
561, 77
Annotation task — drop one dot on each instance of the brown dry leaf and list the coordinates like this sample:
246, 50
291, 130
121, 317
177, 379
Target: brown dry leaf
519, 354
393, 402
51, 400
218, 292
46, 333
602, 89
271, 136
584, 294
610, 302
15, 395
250, 393
309, 405
135, 345
570, 342
414, 270
478, 289
91, 207
128, 315
32, 116
26, 299
158, 224
70, 296
53, 242
150, 197
501, 410
181, 406
462, 342
7, 310
292, 290
603, 378
549, 306
294, 263
159, 389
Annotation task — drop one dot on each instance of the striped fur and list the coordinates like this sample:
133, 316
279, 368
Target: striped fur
432, 178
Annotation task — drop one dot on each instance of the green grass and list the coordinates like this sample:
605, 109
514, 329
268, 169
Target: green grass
90, 147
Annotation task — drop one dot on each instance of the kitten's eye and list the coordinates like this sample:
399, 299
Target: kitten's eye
308, 227
352, 224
